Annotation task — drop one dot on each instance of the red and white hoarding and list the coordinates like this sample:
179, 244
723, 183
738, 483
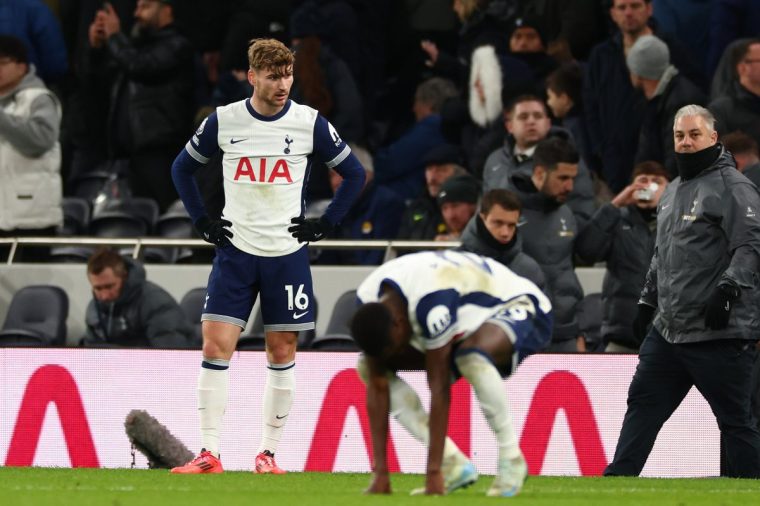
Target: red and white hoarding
62, 407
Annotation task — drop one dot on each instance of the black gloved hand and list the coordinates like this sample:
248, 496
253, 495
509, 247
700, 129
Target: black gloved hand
644, 317
214, 231
311, 229
718, 307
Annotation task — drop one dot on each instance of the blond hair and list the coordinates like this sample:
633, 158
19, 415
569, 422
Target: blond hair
269, 54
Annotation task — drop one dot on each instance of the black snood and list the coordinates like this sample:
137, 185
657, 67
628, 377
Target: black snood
691, 164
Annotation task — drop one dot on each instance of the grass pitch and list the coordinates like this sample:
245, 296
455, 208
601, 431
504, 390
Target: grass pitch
126, 487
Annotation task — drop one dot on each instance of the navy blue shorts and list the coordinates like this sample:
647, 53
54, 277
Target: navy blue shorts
526, 325
237, 278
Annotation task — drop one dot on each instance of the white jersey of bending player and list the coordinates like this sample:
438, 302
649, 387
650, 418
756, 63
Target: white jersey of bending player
450, 294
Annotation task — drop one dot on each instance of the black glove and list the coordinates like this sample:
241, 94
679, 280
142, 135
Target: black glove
214, 231
719, 306
310, 230
644, 317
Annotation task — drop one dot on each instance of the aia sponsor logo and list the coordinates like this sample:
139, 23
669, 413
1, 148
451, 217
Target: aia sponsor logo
267, 170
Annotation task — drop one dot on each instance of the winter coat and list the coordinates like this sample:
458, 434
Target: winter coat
144, 315
623, 239
422, 220
501, 165
376, 214
30, 157
511, 255
548, 231
151, 89
753, 173
656, 135
614, 109
708, 234
577, 22
731, 20
347, 115
575, 124
484, 27
739, 110
400, 166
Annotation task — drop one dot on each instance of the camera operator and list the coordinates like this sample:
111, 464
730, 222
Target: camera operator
622, 234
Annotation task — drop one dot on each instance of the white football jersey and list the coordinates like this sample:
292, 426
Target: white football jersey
449, 294
266, 165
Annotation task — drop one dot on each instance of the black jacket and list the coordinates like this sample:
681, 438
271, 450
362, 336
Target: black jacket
753, 173
144, 315
656, 135
624, 239
151, 90
421, 220
614, 109
708, 234
739, 110
474, 239
484, 27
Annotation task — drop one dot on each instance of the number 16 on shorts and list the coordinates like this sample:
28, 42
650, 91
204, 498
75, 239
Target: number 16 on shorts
298, 300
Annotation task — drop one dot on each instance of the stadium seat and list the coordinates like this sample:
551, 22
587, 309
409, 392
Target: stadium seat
36, 317
343, 311
76, 221
89, 184
177, 207
175, 223
590, 320
71, 254
124, 218
76, 216
192, 305
305, 337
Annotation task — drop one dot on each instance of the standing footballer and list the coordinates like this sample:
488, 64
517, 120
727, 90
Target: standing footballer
268, 145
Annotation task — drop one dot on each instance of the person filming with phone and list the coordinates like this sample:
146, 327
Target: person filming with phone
622, 234
148, 75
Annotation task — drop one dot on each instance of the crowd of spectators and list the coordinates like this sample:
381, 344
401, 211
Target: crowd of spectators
471, 114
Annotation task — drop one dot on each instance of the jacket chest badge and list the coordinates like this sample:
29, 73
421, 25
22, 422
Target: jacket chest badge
692, 212
750, 212
367, 227
564, 232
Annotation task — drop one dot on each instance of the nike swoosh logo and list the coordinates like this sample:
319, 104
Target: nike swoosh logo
280, 417
297, 316
235, 141
666, 206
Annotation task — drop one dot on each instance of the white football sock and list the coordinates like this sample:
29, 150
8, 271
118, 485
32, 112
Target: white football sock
279, 391
407, 409
213, 385
489, 389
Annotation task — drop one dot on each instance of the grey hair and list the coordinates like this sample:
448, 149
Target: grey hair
695, 110
435, 91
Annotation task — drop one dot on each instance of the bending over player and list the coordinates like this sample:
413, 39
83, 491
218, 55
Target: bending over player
437, 311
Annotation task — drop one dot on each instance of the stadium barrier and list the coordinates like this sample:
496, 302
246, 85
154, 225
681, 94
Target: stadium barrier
329, 281
67, 407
